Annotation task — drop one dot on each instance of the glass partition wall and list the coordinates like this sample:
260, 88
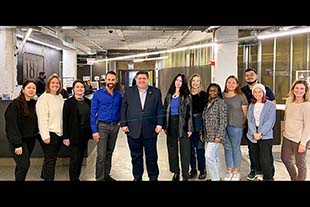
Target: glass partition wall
279, 61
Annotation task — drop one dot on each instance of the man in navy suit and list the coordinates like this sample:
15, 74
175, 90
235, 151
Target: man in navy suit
142, 120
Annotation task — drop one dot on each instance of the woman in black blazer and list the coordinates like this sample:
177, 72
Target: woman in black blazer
76, 128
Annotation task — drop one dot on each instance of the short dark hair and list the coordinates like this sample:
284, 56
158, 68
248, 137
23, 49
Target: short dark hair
78, 81
42, 73
250, 69
110, 72
143, 73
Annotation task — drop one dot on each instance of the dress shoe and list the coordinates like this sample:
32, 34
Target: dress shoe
153, 179
192, 174
176, 177
202, 175
109, 178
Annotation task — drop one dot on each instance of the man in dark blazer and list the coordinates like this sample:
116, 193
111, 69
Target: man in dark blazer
142, 120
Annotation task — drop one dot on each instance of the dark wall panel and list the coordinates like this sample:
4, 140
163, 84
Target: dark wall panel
52, 59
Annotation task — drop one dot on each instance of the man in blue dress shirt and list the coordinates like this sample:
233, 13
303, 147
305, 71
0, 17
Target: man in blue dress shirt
105, 123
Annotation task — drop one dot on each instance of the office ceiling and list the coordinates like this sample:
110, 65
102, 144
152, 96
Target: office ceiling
112, 41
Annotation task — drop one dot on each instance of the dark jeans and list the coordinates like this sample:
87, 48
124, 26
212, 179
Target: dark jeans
77, 155
263, 158
173, 142
136, 151
197, 146
105, 147
23, 161
50, 156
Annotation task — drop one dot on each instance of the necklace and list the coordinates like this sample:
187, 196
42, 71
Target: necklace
80, 100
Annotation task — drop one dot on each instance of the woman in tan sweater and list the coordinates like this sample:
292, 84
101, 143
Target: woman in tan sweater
296, 132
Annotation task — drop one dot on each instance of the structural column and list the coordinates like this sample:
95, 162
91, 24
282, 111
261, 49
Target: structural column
225, 54
8, 61
69, 67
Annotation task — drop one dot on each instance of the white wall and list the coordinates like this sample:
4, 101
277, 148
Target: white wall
69, 68
8, 61
225, 54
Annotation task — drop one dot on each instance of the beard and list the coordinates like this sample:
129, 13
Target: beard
251, 82
111, 85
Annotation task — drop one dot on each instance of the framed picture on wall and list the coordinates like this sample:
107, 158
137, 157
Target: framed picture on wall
32, 65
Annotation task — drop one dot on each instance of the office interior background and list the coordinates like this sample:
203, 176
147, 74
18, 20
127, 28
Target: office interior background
279, 53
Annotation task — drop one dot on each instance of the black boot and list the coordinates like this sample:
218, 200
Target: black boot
176, 177
192, 174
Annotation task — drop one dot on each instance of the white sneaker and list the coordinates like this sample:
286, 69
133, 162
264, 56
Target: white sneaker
228, 176
259, 177
236, 177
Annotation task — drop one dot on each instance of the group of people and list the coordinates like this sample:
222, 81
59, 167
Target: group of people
189, 116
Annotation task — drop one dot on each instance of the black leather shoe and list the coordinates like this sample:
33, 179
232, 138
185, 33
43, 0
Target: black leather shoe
202, 175
192, 174
176, 177
109, 178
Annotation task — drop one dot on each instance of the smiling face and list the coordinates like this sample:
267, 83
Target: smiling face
258, 94
213, 91
142, 81
178, 82
79, 89
110, 81
29, 90
54, 85
299, 90
195, 83
231, 84
250, 77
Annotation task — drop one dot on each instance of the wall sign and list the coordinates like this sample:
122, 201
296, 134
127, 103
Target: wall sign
32, 65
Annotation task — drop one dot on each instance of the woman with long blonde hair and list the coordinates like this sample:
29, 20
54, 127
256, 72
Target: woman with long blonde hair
197, 155
296, 134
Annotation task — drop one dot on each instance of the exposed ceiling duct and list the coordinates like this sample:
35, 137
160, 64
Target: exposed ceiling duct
113, 41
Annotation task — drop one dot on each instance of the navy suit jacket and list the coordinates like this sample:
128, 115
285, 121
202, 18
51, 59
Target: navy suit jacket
138, 120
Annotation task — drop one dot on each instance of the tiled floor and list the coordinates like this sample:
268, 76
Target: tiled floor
121, 166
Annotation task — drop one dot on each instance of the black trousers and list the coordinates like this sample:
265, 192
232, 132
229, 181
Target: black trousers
50, 156
173, 142
261, 153
23, 161
77, 152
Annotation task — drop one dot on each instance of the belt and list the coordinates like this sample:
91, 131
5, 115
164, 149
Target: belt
109, 123
198, 114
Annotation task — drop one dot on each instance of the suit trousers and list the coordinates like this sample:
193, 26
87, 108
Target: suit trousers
136, 151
